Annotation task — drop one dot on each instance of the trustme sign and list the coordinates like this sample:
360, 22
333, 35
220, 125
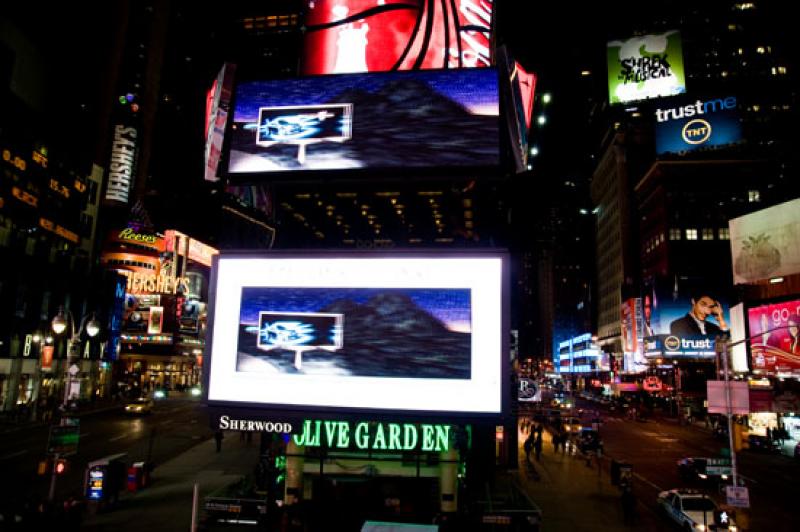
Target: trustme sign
375, 436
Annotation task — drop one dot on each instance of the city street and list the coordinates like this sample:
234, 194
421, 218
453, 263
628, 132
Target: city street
176, 424
653, 448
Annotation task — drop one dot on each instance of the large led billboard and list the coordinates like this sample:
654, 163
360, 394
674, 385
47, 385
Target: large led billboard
684, 126
648, 66
395, 120
766, 243
347, 36
775, 338
682, 318
418, 334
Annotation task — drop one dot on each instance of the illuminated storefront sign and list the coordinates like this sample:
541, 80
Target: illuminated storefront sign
139, 283
374, 436
673, 346
123, 155
130, 234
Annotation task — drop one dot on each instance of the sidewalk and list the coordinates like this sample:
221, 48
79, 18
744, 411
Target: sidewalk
574, 497
166, 504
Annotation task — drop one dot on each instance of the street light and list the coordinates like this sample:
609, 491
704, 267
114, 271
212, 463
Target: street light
60, 323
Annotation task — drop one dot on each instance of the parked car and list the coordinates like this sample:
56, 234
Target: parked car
141, 405
692, 510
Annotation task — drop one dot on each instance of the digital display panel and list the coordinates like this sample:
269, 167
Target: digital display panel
393, 333
684, 126
647, 66
439, 118
766, 244
345, 36
775, 338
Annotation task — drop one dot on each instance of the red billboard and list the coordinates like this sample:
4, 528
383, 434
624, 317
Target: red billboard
348, 36
775, 338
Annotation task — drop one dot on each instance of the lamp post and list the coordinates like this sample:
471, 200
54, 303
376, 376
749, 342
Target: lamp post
61, 323
728, 401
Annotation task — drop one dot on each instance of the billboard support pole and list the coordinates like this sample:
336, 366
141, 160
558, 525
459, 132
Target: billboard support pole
728, 410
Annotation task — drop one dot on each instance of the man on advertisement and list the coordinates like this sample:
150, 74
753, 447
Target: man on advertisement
695, 322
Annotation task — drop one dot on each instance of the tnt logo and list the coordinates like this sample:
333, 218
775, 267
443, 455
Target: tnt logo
696, 131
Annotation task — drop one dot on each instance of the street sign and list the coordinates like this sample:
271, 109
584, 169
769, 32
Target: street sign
528, 390
63, 439
719, 466
738, 496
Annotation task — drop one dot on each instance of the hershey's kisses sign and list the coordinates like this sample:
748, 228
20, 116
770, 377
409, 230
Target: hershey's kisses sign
375, 436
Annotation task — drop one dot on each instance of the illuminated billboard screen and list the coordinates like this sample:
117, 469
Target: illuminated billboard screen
775, 338
648, 66
766, 243
347, 36
684, 126
391, 120
682, 318
390, 333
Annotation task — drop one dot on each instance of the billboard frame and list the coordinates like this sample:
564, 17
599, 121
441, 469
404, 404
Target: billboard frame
285, 411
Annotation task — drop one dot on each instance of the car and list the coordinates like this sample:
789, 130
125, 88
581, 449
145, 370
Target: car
698, 469
571, 425
762, 444
692, 510
140, 405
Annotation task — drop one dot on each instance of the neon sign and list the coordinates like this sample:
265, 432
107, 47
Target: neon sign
375, 436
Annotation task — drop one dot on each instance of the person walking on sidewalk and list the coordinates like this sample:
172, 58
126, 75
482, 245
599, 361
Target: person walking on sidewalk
218, 437
537, 446
528, 445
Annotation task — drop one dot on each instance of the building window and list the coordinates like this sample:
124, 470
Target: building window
753, 196
674, 234
708, 233
691, 234
724, 233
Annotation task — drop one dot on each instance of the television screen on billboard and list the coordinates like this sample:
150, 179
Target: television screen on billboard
648, 66
390, 333
390, 120
347, 36
775, 338
684, 126
683, 317
766, 243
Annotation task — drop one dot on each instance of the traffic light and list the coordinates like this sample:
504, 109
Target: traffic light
60, 466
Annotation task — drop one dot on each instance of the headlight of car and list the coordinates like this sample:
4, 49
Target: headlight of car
698, 526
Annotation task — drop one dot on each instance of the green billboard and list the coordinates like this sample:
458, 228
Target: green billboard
648, 66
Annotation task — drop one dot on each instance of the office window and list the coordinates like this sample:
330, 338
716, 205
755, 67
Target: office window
691, 234
708, 233
674, 234
724, 233
753, 196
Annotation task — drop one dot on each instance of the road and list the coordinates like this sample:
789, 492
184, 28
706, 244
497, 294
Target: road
176, 424
653, 448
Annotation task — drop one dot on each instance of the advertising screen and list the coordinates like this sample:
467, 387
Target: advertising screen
766, 243
632, 324
648, 66
418, 334
775, 338
685, 126
391, 120
683, 317
346, 36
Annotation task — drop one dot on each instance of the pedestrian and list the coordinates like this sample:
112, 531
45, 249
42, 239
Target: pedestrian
537, 447
769, 435
556, 442
628, 506
528, 446
218, 437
